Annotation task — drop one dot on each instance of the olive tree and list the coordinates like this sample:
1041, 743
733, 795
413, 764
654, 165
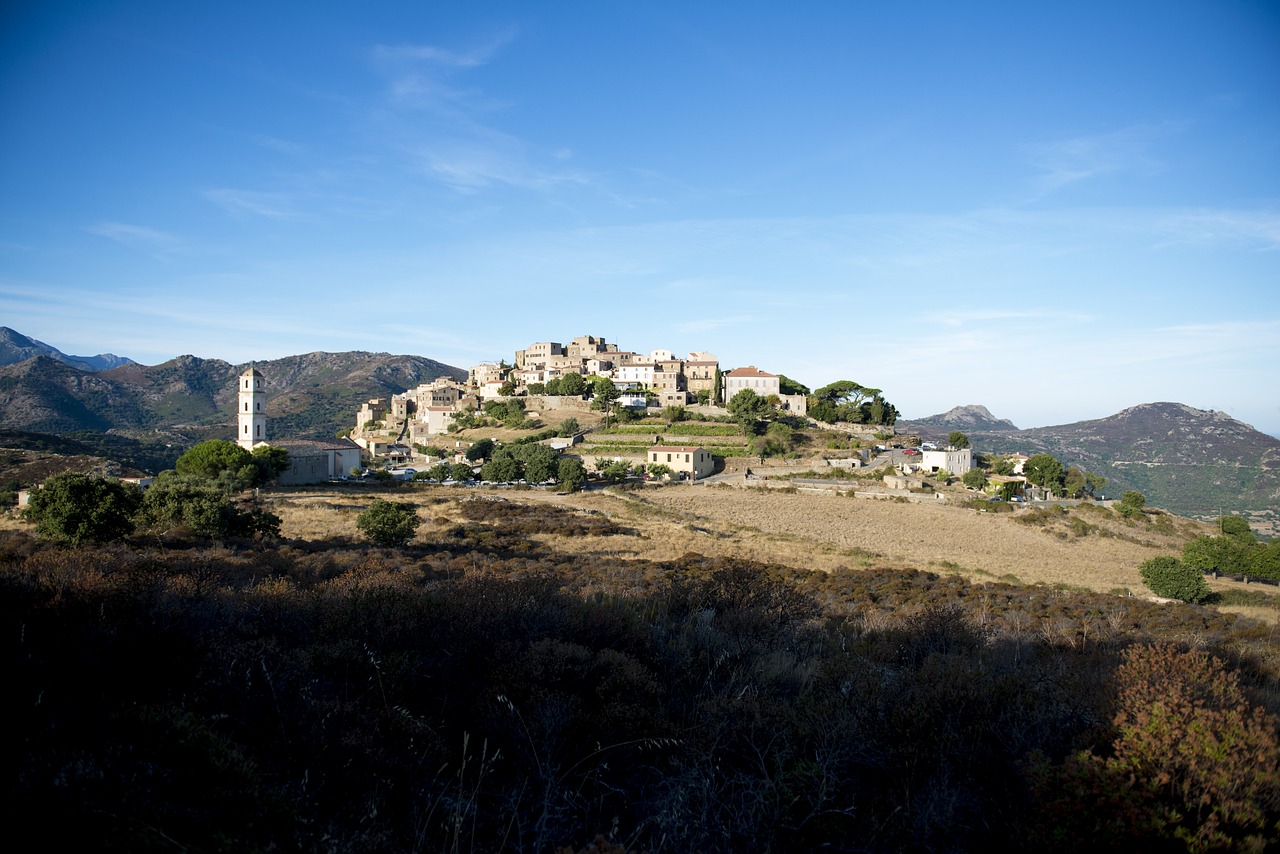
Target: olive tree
1171, 578
388, 523
81, 508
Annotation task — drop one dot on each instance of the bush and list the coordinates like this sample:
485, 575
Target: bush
388, 523
81, 508
1131, 504
180, 502
1171, 578
571, 474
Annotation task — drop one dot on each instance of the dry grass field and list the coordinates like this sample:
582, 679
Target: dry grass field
1087, 548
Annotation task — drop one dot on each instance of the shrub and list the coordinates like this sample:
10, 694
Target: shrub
571, 473
175, 501
81, 508
388, 523
1171, 578
1131, 504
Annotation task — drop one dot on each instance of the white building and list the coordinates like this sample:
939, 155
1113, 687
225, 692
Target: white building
761, 382
954, 461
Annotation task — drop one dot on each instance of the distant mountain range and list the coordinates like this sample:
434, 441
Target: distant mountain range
188, 399
16, 347
1193, 462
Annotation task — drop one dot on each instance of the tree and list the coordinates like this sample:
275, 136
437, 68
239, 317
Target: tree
81, 508
175, 501
658, 471
974, 478
480, 450
439, 472
502, 467
1238, 527
747, 408
567, 427
537, 461
1044, 470
572, 384
605, 397
1131, 503
211, 459
957, 439
674, 413
270, 462
571, 474
462, 473
1171, 578
1002, 466
508, 388
786, 385
388, 523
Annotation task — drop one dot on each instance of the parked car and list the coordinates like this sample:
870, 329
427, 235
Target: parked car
911, 452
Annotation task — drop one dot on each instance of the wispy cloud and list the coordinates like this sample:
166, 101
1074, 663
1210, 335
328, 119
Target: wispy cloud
476, 56
1249, 229
469, 167
135, 236
275, 143
1066, 161
270, 205
448, 129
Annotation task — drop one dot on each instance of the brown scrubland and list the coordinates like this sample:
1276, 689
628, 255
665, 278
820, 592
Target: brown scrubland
676, 668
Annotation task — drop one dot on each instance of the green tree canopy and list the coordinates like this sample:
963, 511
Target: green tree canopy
177, 501
212, 459
388, 523
786, 385
1044, 470
571, 474
1237, 526
747, 408
82, 508
502, 467
270, 462
1171, 578
572, 384
957, 439
974, 478
462, 472
480, 450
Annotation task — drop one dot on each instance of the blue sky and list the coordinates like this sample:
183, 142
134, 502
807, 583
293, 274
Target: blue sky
1057, 210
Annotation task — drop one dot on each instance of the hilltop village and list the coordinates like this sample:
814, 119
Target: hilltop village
550, 375
651, 413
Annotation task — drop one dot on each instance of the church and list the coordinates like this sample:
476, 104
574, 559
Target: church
310, 461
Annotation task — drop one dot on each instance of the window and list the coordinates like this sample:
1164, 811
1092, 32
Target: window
246, 406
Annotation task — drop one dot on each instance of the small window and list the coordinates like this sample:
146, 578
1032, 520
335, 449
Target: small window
246, 406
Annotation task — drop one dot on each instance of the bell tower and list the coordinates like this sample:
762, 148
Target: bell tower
252, 427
